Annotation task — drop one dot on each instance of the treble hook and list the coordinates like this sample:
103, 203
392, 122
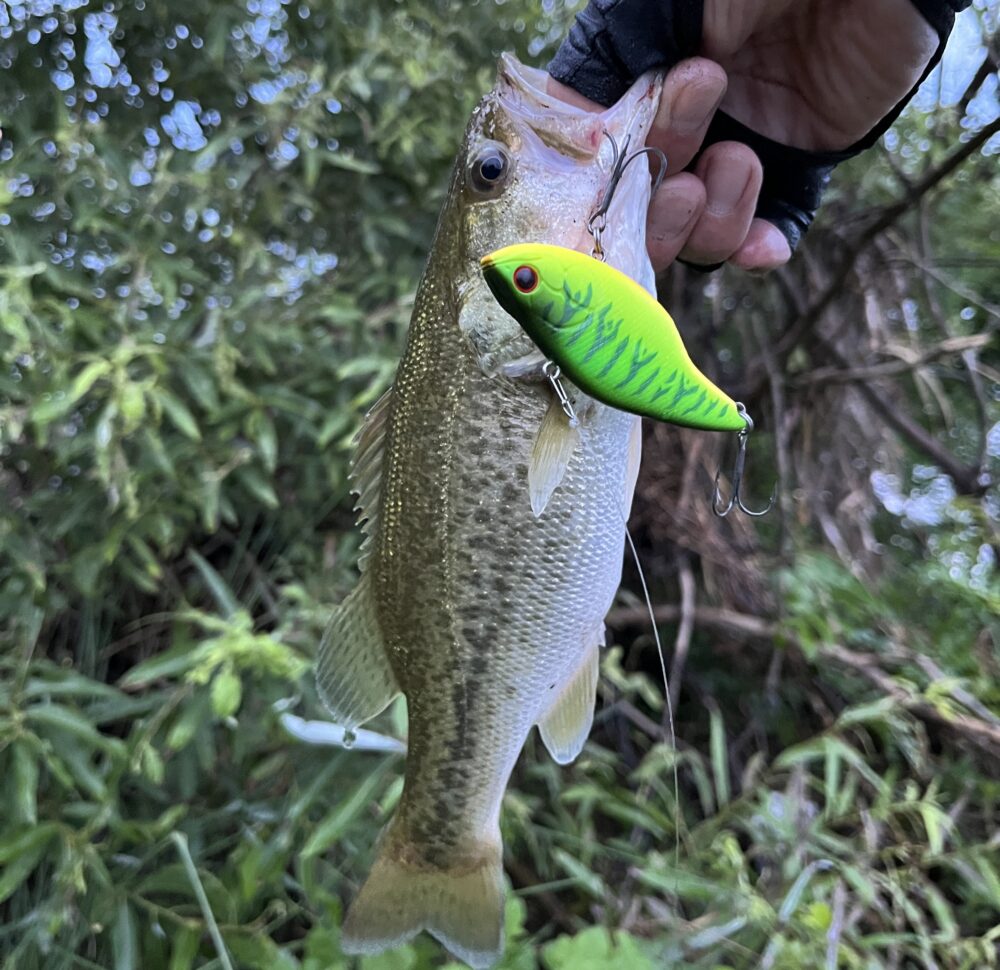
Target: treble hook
598, 220
737, 477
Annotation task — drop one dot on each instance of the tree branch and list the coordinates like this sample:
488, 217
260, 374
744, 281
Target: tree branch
706, 616
836, 375
968, 480
810, 315
983, 734
983, 731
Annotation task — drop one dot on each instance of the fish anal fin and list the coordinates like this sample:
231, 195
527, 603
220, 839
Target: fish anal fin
353, 673
366, 470
554, 447
566, 725
460, 905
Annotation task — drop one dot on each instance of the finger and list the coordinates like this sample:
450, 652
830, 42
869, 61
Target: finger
732, 175
692, 91
764, 248
673, 213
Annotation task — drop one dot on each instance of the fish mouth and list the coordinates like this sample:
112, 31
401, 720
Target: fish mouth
578, 149
570, 129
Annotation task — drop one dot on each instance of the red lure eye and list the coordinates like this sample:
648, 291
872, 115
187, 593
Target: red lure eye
525, 278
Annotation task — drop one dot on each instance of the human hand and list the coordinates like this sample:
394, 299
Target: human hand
816, 75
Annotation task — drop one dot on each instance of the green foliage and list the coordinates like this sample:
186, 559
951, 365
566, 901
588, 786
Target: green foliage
212, 231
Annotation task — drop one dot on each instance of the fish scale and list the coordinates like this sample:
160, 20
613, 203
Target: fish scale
495, 531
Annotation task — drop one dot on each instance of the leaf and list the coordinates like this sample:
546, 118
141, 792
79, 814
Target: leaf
351, 163
193, 717
20, 854
720, 757
224, 597
258, 486
227, 690
336, 822
24, 784
587, 879
712, 936
261, 428
58, 405
186, 944
794, 895
259, 952
175, 661
125, 940
132, 405
177, 411
74, 723
596, 949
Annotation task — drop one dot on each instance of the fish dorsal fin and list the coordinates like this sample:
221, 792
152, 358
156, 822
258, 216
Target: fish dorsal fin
366, 470
554, 446
353, 673
566, 725
352, 669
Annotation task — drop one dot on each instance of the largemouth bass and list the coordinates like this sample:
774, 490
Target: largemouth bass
495, 531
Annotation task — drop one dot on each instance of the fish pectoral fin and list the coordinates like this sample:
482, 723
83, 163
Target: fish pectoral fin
554, 447
352, 671
462, 907
529, 367
566, 726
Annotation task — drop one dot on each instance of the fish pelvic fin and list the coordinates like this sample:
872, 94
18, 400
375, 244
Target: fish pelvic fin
554, 447
461, 905
566, 725
352, 669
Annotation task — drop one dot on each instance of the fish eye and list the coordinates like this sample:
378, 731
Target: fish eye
525, 278
489, 169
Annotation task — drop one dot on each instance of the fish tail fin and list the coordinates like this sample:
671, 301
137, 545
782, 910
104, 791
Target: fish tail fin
461, 905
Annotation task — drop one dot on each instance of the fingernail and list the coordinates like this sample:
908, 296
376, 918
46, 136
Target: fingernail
725, 185
695, 104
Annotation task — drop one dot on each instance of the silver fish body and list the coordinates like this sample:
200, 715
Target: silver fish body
495, 531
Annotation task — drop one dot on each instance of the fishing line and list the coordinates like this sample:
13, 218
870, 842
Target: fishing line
671, 731
672, 734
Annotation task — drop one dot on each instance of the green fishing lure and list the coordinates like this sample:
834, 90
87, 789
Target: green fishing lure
607, 334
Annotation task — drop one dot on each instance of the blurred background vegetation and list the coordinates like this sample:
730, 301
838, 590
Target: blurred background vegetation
213, 220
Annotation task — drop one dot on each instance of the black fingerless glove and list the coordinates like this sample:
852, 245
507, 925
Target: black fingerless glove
612, 42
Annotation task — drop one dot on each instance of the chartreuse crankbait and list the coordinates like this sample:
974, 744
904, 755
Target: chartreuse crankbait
608, 335
615, 342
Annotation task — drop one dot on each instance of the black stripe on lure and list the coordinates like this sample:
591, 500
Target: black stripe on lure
614, 340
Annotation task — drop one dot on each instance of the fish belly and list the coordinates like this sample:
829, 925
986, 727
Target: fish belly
486, 610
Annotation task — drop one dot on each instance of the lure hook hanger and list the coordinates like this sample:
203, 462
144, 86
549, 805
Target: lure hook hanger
598, 220
739, 466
